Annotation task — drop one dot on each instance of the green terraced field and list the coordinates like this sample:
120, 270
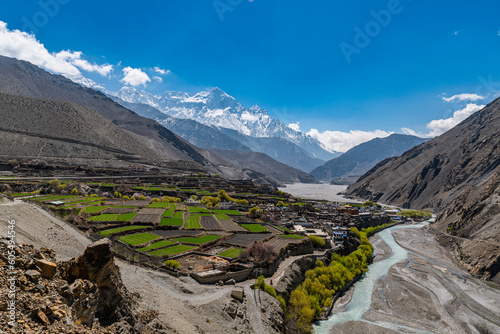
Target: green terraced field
171, 222
227, 212
198, 240
165, 205
94, 209
168, 213
254, 227
105, 233
108, 184
103, 218
291, 236
138, 239
174, 250
197, 209
192, 222
178, 214
200, 215
156, 245
222, 217
232, 252
126, 217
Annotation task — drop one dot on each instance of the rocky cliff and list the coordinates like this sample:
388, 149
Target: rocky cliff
455, 175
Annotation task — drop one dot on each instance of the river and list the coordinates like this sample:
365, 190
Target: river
360, 302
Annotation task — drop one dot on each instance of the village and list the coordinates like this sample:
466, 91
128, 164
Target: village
203, 226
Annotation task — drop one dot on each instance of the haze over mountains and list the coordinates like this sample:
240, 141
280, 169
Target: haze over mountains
456, 175
358, 160
252, 127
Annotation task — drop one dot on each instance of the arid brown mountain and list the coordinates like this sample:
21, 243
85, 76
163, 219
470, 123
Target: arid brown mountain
266, 165
457, 176
67, 133
25, 79
361, 158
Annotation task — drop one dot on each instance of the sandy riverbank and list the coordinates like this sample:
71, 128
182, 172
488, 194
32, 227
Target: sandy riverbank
428, 294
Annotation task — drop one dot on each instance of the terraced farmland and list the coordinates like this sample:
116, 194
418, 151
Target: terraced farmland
94, 209
197, 209
232, 252
106, 233
103, 218
178, 214
138, 239
171, 222
279, 242
164, 205
156, 245
174, 250
227, 212
126, 217
222, 217
168, 213
210, 224
198, 240
228, 225
254, 228
244, 240
192, 222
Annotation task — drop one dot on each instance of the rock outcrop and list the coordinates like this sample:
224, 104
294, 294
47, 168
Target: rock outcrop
97, 266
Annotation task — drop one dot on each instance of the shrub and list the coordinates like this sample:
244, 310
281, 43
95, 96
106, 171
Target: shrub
259, 251
94, 195
255, 212
141, 198
172, 264
117, 194
155, 200
317, 241
126, 197
74, 191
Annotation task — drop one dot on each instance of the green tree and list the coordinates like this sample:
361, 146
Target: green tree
255, 212
317, 241
74, 191
172, 264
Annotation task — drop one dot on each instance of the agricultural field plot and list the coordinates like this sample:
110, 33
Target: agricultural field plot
146, 219
244, 240
174, 250
103, 218
180, 206
198, 240
200, 215
171, 222
56, 198
164, 205
156, 245
254, 228
137, 203
168, 213
192, 223
105, 233
210, 224
178, 233
95, 209
119, 210
232, 252
279, 242
227, 212
273, 229
197, 209
178, 214
125, 217
139, 238
222, 217
228, 225
292, 236
151, 211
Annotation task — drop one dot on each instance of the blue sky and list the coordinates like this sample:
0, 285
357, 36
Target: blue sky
287, 57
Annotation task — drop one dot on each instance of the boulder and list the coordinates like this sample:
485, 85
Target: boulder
48, 269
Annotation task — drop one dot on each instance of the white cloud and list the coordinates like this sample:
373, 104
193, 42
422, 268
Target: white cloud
24, 46
294, 126
75, 58
440, 126
161, 71
249, 117
159, 79
134, 77
344, 141
463, 97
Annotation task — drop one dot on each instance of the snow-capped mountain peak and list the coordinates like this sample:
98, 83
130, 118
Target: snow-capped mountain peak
216, 108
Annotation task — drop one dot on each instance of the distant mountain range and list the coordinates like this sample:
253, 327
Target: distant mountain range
360, 159
458, 176
252, 127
